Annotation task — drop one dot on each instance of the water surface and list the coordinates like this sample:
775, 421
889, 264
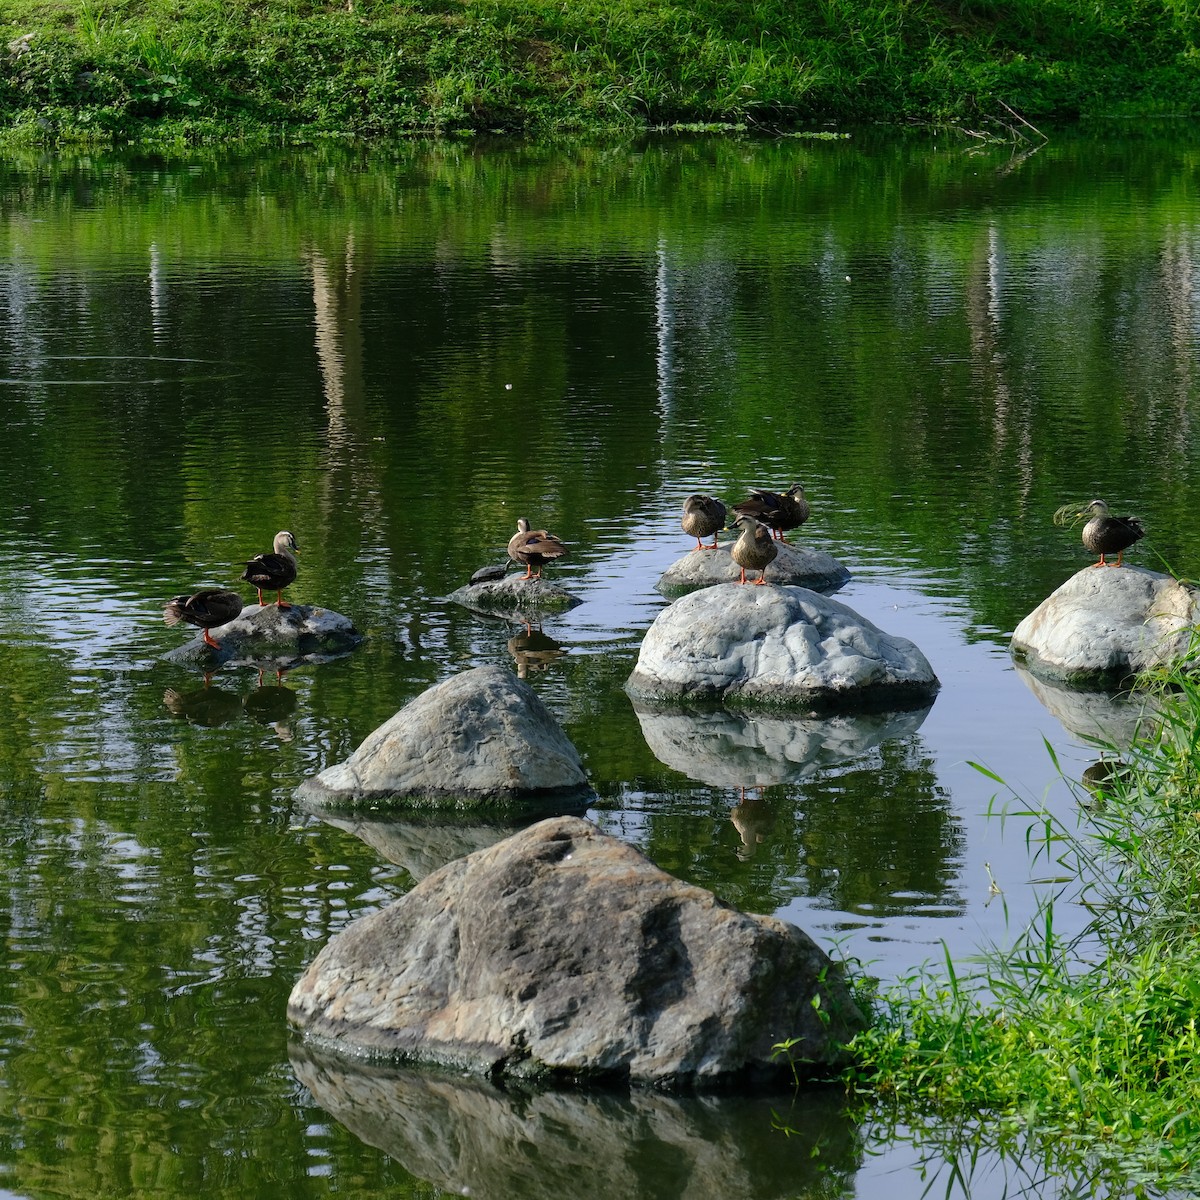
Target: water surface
395, 355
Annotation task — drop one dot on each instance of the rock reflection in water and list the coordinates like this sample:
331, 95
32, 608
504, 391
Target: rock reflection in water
423, 845
467, 1137
733, 749
1108, 718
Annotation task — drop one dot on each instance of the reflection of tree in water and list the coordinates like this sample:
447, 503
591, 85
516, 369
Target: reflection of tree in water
876, 836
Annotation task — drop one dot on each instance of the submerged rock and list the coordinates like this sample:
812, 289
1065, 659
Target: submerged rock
275, 637
785, 647
565, 953
481, 738
799, 565
1106, 624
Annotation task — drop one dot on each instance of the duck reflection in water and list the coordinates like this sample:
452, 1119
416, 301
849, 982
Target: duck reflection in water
272, 706
753, 819
207, 706
533, 651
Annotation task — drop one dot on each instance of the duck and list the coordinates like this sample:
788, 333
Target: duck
274, 570
755, 550
1105, 534
533, 548
703, 515
780, 511
206, 609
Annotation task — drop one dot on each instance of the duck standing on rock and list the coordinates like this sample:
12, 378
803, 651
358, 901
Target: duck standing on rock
275, 570
206, 609
1105, 534
533, 548
780, 511
755, 549
703, 515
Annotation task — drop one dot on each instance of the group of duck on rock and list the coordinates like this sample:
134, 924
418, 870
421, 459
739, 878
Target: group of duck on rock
271, 571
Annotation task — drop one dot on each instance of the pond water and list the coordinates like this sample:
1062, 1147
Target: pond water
395, 354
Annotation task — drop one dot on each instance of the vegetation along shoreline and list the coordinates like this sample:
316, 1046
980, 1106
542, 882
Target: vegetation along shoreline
145, 71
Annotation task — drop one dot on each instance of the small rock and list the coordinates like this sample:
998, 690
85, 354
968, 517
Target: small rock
814, 569
513, 595
564, 953
479, 738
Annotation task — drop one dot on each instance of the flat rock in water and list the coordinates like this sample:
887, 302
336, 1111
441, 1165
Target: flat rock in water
267, 635
482, 738
564, 953
1106, 624
514, 595
813, 569
781, 647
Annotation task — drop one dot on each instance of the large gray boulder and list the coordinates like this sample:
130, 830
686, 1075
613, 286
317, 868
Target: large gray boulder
797, 565
1106, 624
480, 738
741, 749
562, 952
266, 635
468, 1137
785, 647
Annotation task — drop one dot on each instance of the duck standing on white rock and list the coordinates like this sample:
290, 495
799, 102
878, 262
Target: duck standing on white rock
780, 511
703, 515
1105, 534
274, 570
755, 550
533, 548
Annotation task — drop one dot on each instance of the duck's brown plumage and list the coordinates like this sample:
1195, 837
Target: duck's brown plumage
533, 548
274, 570
206, 609
1105, 534
779, 510
703, 515
755, 550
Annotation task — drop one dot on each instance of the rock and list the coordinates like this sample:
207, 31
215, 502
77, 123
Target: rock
514, 596
481, 738
798, 565
273, 637
783, 647
468, 1137
564, 953
1106, 624
725, 749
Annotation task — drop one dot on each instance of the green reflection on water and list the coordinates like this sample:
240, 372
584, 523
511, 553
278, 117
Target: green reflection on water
397, 354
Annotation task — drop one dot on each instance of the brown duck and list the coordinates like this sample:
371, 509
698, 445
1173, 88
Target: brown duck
1105, 534
755, 549
703, 515
205, 609
275, 570
779, 510
533, 548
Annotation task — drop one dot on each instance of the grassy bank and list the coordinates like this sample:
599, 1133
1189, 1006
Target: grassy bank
1078, 1055
140, 69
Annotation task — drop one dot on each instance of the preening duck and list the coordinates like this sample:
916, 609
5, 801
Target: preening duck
780, 511
206, 609
533, 548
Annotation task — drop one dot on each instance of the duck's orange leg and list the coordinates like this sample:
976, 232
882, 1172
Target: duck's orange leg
214, 645
261, 602
279, 601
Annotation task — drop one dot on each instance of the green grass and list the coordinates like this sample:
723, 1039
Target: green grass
140, 69
1077, 1055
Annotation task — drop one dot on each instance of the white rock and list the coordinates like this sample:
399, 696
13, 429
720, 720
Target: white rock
782, 646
